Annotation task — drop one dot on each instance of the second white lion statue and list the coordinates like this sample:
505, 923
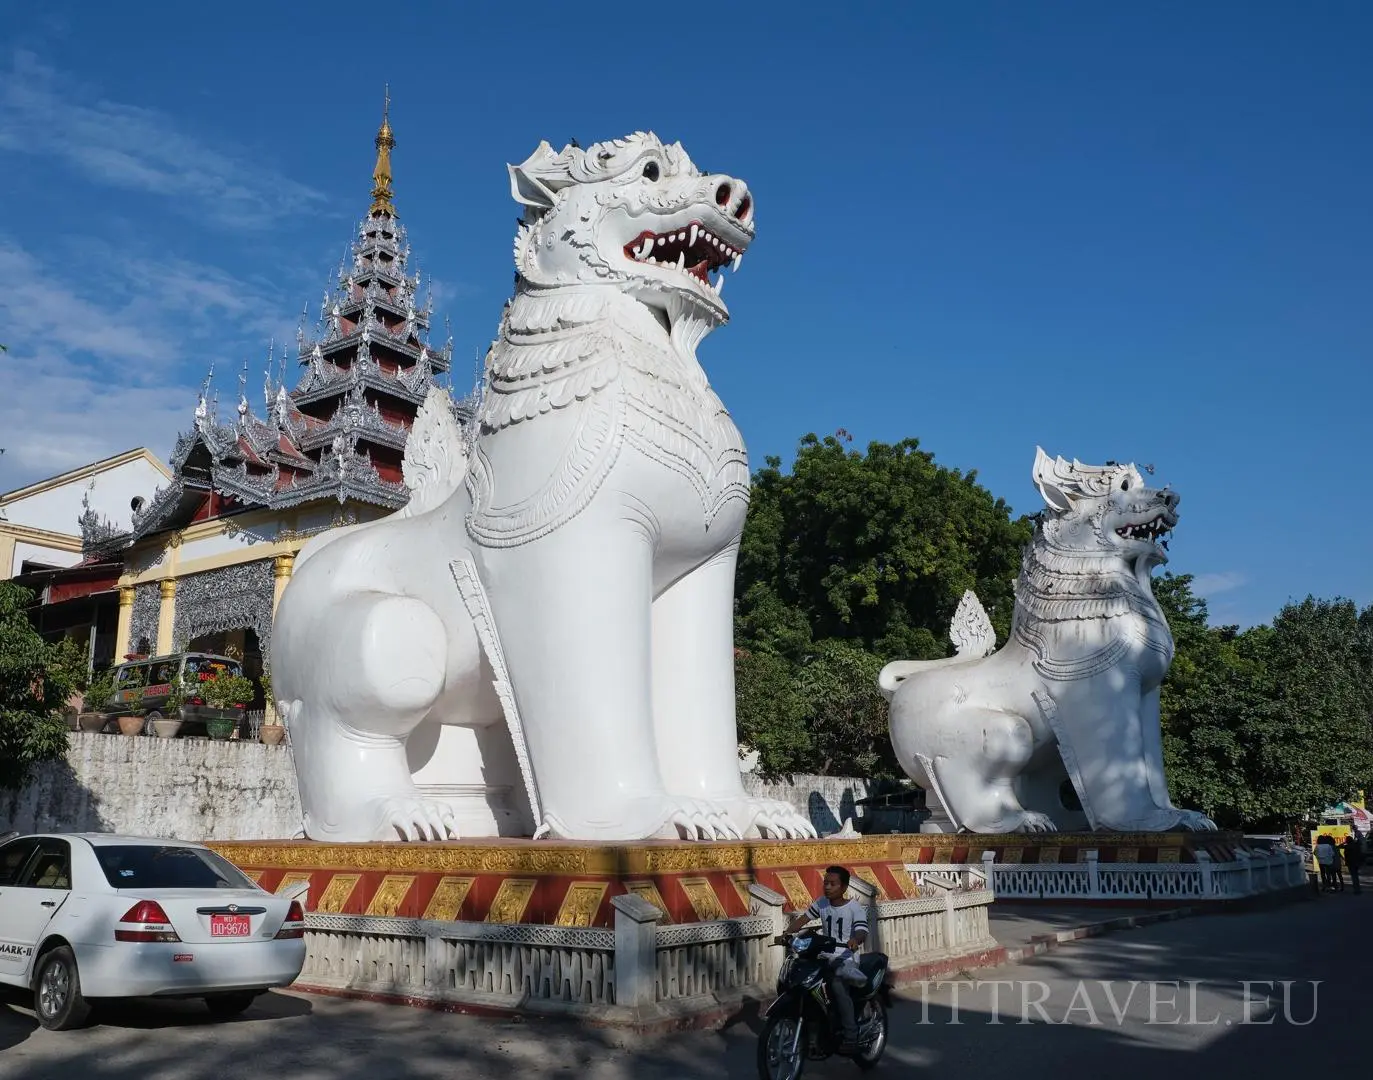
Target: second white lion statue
1060, 727
553, 611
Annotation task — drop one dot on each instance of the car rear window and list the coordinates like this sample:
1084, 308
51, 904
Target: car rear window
155, 866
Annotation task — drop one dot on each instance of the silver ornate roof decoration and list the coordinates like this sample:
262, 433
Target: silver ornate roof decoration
230, 598
95, 528
147, 608
367, 367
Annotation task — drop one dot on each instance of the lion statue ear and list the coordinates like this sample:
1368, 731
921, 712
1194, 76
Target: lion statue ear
1046, 475
536, 180
527, 190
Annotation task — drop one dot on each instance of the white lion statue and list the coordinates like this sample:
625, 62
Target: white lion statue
1060, 727
552, 613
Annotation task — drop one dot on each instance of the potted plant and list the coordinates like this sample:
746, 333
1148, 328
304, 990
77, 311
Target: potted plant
95, 703
272, 730
169, 726
131, 693
227, 695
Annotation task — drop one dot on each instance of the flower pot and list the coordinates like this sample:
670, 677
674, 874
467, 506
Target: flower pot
166, 729
221, 727
131, 724
271, 734
91, 721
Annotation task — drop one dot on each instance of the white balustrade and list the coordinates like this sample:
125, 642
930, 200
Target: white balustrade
1251, 874
639, 970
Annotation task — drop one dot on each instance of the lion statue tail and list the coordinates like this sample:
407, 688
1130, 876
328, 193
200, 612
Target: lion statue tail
971, 633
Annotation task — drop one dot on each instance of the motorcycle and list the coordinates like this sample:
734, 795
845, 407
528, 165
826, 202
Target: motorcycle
801, 1024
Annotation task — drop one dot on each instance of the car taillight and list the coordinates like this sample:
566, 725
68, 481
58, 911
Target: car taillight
145, 921
294, 926
195, 701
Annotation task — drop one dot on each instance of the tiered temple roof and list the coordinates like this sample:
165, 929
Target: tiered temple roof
340, 434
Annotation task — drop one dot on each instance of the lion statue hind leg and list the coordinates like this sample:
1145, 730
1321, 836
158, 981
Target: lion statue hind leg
972, 758
351, 705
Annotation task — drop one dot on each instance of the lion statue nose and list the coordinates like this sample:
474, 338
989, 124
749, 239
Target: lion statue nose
733, 197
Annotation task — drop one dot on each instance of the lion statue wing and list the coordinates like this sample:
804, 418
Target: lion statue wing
436, 455
971, 630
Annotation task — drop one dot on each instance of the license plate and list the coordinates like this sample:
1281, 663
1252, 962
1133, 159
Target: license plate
230, 926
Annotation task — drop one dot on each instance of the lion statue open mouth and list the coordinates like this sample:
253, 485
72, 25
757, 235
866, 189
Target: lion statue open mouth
551, 615
1060, 727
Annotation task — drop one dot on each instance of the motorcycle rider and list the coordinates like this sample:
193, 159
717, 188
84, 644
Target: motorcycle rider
847, 922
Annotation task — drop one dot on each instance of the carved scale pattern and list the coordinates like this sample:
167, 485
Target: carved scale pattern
460, 967
708, 932
697, 969
525, 972
232, 598
147, 606
553, 937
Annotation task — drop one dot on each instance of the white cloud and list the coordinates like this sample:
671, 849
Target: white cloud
44, 111
116, 362
1214, 584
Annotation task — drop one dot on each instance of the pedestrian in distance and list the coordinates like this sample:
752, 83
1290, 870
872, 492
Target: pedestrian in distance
1353, 858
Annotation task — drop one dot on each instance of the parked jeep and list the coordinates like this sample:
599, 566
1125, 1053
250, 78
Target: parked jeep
151, 681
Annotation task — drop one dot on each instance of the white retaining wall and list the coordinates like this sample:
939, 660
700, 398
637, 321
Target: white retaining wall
198, 789
194, 789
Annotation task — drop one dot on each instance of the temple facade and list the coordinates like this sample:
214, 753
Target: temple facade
208, 556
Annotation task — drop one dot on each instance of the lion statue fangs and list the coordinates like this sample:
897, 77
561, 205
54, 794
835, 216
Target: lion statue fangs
552, 612
1072, 697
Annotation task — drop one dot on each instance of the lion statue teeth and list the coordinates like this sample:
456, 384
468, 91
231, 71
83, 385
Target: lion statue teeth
541, 643
1060, 727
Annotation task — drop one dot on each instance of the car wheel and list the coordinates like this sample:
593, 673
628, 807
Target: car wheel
57, 999
225, 1006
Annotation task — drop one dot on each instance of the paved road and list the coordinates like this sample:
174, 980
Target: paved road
1067, 997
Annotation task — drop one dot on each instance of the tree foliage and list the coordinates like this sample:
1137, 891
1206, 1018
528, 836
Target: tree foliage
1269, 724
848, 561
36, 679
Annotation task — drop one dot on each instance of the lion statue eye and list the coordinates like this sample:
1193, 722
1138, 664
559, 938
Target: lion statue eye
1125, 484
651, 171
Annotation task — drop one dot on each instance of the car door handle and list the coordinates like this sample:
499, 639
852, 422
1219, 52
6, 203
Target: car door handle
48, 903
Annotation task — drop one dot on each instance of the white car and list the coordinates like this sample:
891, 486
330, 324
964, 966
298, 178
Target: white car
86, 916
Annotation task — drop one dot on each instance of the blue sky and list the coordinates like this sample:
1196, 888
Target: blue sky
1131, 232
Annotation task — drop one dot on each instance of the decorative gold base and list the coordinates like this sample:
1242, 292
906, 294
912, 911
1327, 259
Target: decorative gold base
1170, 847
561, 882
566, 883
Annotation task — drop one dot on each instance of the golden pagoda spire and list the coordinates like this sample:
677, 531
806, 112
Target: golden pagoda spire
381, 175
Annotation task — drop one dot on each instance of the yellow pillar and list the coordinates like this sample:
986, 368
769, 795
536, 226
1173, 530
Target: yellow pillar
121, 634
281, 573
166, 616
282, 569
7, 546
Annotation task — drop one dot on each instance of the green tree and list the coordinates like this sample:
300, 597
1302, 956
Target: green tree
1265, 725
1319, 749
850, 560
1215, 697
874, 548
36, 679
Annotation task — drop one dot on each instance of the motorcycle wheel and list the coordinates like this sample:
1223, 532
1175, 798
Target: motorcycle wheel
870, 1049
775, 1060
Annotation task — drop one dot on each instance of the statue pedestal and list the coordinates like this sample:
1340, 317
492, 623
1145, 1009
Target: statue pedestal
565, 883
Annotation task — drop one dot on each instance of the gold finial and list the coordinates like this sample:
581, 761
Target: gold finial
381, 175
